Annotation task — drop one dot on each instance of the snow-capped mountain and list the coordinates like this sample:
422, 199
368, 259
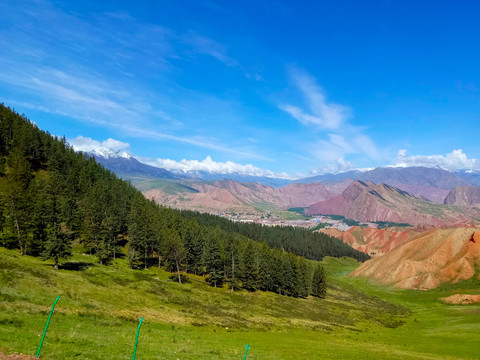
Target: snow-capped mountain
430, 183
472, 176
125, 165
109, 153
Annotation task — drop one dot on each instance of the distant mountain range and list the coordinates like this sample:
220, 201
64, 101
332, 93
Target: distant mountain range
235, 176
126, 166
124, 163
232, 196
431, 183
366, 201
414, 195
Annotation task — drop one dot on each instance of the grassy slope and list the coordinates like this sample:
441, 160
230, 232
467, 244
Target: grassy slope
97, 316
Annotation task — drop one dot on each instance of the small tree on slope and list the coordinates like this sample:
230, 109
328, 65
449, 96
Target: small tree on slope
319, 286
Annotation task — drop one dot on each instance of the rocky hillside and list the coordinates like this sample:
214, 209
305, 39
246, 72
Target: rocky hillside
464, 196
229, 195
366, 201
373, 242
431, 183
431, 258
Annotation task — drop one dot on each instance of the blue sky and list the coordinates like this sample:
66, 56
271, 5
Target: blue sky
293, 87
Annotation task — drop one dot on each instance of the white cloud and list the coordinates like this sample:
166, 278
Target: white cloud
341, 138
322, 113
86, 144
112, 147
456, 160
209, 165
203, 45
106, 92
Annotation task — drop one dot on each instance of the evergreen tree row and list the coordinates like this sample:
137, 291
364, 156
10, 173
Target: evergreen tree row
303, 242
50, 196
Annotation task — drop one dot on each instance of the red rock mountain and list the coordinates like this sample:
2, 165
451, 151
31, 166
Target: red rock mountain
374, 242
427, 260
464, 196
430, 183
365, 201
232, 196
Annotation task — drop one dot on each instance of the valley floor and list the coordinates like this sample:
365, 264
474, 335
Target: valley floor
97, 316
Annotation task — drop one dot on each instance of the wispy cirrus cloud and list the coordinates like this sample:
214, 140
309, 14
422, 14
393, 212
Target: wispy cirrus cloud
203, 45
80, 67
336, 137
320, 112
86, 99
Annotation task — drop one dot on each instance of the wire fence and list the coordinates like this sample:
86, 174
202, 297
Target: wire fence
247, 347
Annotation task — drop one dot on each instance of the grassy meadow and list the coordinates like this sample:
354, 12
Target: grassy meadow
99, 309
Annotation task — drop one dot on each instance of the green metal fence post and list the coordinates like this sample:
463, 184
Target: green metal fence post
46, 327
136, 339
247, 347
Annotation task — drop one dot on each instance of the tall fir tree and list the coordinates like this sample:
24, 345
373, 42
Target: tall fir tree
250, 267
173, 251
319, 285
212, 258
58, 245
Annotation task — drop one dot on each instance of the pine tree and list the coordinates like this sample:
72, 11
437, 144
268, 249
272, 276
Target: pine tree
191, 236
233, 260
58, 245
304, 277
173, 251
250, 267
212, 259
41, 216
319, 286
137, 231
266, 268
16, 197
290, 275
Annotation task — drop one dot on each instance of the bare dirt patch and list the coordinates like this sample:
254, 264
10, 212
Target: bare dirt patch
3, 356
461, 299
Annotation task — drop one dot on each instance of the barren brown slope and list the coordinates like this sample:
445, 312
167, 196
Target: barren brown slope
434, 194
372, 241
229, 195
433, 257
302, 195
430, 183
293, 195
213, 200
464, 196
365, 201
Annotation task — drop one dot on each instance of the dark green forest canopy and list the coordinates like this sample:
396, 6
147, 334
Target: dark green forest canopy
51, 196
298, 240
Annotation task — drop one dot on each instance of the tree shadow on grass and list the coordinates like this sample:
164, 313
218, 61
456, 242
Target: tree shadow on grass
76, 265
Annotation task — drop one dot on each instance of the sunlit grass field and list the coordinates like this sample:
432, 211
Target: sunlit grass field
97, 316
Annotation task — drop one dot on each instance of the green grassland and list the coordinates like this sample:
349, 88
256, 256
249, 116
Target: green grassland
97, 316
